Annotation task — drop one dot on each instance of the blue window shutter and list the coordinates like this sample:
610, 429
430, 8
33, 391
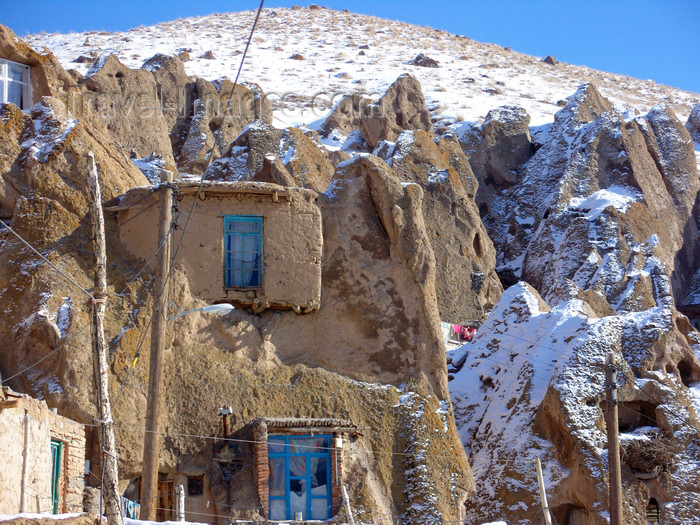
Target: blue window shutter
243, 246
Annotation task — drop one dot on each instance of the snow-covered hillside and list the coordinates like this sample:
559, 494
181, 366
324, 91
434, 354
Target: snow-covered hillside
340, 53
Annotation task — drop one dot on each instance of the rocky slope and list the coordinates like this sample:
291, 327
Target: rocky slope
372, 354
307, 68
600, 222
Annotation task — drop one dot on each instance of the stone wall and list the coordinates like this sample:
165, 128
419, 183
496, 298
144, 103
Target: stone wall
27, 427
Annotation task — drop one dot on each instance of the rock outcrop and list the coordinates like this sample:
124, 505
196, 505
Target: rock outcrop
693, 123
632, 183
498, 151
127, 102
467, 286
158, 109
219, 114
540, 369
287, 156
401, 108
173, 88
346, 115
422, 60
600, 222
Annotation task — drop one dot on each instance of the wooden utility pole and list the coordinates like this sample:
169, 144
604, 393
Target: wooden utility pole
543, 494
110, 481
151, 446
614, 474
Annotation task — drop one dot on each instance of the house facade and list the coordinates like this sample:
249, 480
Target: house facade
43, 457
251, 244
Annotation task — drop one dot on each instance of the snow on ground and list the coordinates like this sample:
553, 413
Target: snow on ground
345, 53
34, 516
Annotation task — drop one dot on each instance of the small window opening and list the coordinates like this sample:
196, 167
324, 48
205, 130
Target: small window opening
653, 511
243, 251
15, 85
686, 373
633, 415
195, 485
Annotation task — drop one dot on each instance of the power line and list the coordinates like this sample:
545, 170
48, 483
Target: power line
418, 454
70, 338
83, 244
245, 52
189, 216
65, 276
216, 141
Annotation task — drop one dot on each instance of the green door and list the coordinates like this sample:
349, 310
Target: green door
56, 453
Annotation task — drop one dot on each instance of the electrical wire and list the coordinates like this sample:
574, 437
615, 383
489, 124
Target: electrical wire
64, 343
216, 141
83, 244
63, 274
202, 437
72, 336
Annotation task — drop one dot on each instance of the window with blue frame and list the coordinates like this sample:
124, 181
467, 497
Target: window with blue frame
300, 477
243, 251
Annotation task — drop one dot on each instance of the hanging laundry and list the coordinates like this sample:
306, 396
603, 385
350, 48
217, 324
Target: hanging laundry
468, 333
130, 509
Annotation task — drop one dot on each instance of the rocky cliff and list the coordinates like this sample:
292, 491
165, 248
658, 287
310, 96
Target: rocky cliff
372, 354
598, 222
588, 221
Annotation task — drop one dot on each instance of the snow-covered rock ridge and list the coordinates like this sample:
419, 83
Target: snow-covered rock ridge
533, 385
361, 54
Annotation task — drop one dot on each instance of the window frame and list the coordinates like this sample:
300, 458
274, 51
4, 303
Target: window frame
6, 81
229, 283
284, 439
56, 473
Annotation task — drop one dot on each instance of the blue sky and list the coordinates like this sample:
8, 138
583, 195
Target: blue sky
648, 39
